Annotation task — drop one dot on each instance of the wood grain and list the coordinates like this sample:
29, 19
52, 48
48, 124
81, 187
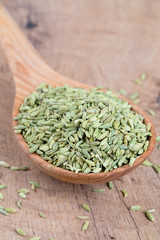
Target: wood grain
105, 43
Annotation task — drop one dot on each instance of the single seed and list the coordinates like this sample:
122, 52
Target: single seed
19, 204
122, 91
147, 163
125, 194
22, 195
52, 239
151, 112
35, 238
137, 81
133, 96
23, 190
143, 76
25, 168
14, 168
4, 164
158, 138
0, 174
20, 232
3, 212
1, 196
151, 210
135, 208
86, 207
83, 217
85, 226
34, 184
149, 216
156, 168
98, 190
159, 146
136, 101
110, 185
10, 210
2, 186
42, 215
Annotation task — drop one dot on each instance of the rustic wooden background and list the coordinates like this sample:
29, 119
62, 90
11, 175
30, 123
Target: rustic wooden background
99, 42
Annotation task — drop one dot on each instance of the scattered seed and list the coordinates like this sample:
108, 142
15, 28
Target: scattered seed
85, 226
151, 210
156, 168
14, 168
86, 207
4, 164
34, 185
10, 210
42, 215
20, 232
136, 101
125, 194
19, 204
2, 186
133, 96
122, 91
35, 238
1, 196
151, 112
23, 190
149, 216
158, 138
137, 81
159, 146
25, 168
147, 163
143, 76
22, 195
0, 174
110, 185
98, 190
52, 239
135, 208
3, 212
83, 217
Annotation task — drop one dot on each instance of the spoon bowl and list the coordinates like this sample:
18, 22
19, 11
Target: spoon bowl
29, 71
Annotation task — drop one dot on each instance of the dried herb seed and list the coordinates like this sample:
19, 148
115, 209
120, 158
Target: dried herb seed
35, 238
135, 208
1, 196
125, 194
42, 215
85, 226
86, 207
156, 168
110, 185
149, 216
83, 217
137, 81
133, 96
23, 190
2, 186
2, 211
4, 164
151, 112
158, 138
143, 76
20, 232
10, 210
98, 190
19, 204
22, 195
147, 163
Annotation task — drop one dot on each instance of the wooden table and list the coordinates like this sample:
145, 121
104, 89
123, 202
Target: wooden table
106, 43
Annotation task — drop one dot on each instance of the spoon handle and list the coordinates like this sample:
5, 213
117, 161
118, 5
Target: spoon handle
27, 67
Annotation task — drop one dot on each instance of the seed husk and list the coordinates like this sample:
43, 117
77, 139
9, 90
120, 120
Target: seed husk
110, 185
149, 216
2, 211
135, 208
42, 215
151, 112
98, 190
137, 81
85, 225
10, 210
4, 164
2, 186
147, 163
20, 232
35, 238
18, 203
83, 217
125, 194
1, 196
158, 138
86, 207
22, 195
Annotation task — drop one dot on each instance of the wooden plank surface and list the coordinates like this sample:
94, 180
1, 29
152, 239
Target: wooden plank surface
106, 43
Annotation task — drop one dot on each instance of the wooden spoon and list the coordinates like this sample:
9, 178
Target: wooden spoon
29, 70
